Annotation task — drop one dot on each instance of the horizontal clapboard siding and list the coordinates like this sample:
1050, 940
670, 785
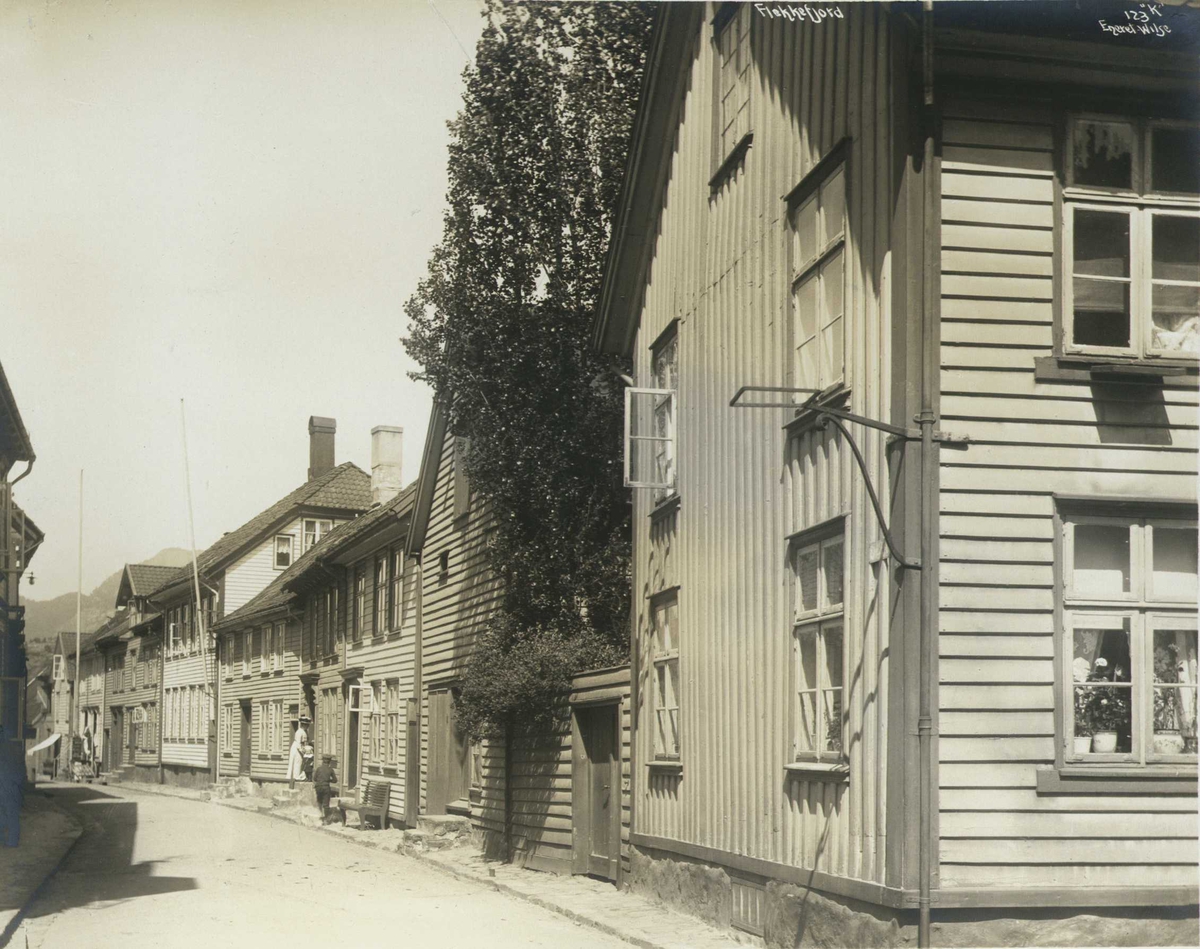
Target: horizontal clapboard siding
1029, 438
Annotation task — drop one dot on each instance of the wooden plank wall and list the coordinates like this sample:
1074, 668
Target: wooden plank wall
1029, 439
456, 608
390, 655
721, 265
542, 790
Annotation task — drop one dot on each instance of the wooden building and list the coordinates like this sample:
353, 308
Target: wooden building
880, 600
231, 572
19, 540
550, 806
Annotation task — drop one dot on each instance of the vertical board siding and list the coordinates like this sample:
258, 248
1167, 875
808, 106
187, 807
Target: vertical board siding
455, 609
721, 266
1028, 439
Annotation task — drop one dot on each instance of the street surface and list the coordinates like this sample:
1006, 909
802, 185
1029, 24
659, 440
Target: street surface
160, 872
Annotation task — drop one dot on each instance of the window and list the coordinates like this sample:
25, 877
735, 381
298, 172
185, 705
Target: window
227, 729
264, 734
277, 656
392, 709
259, 651
444, 565
1131, 216
650, 416
189, 631
380, 718
817, 212
665, 629
396, 594
189, 695
283, 551
314, 530
375, 733
1129, 622
381, 596
60, 667
817, 571
247, 650
329, 721
360, 603
462, 480
333, 638
732, 35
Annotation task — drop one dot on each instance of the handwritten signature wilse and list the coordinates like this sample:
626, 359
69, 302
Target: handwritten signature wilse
793, 12
1137, 21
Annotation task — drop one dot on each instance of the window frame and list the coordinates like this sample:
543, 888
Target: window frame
396, 589
816, 622
1142, 611
663, 660
1141, 203
836, 162
381, 591
728, 148
291, 543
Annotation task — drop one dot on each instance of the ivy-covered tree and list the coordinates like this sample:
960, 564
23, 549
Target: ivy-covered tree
500, 327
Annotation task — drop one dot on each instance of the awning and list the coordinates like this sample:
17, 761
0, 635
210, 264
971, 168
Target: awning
45, 744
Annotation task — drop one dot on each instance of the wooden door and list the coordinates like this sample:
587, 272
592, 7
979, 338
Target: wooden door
449, 757
352, 752
596, 786
118, 746
244, 741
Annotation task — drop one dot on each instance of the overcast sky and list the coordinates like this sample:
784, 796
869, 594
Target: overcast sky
224, 202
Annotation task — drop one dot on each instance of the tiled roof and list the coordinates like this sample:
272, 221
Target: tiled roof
346, 487
144, 577
276, 593
112, 628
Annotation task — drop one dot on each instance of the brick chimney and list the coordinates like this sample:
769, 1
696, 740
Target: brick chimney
320, 445
387, 442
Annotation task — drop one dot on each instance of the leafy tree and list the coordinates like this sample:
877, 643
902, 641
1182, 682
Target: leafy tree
501, 329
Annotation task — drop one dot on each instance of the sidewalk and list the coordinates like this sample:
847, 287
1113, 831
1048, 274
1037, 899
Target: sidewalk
593, 903
47, 836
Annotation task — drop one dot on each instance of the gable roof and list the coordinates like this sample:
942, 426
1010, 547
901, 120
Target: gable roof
344, 488
14, 439
426, 482
140, 579
646, 171
280, 592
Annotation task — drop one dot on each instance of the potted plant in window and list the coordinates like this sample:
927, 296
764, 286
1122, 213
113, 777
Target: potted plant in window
1109, 715
1168, 711
1083, 721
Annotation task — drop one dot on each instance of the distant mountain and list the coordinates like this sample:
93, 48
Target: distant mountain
45, 618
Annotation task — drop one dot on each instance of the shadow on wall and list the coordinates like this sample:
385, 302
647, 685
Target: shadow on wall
102, 862
1130, 414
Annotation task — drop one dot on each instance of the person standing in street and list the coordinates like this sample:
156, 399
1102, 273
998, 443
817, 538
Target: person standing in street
323, 780
295, 770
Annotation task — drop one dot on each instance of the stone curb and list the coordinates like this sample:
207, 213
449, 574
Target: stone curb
584, 920
14, 924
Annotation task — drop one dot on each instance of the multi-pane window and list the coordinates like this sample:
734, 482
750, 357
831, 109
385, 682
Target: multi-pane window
277, 656
818, 282
392, 710
1131, 215
264, 733
227, 729
314, 530
818, 568
60, 668
396, 592
360, 603
664, 617
332, 611
329, 710
733, 79
257, 663
283, 551
650, 422
381, 596
1129, 618
247, 651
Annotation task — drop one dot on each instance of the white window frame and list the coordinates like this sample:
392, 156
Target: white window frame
392, 687
733, 79
818, 622
355, 700
663, 662
59, 668
1141, 203
1142, 610
396, 581
276, 551
319, 528
381, 595
827, 249
247, 650
669, 441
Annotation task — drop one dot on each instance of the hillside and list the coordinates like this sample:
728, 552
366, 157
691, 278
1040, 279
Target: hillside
45, 618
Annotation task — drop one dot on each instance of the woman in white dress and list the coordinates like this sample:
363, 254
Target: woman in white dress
295, 757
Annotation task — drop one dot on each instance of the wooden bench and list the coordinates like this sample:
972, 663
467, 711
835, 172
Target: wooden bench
372, 802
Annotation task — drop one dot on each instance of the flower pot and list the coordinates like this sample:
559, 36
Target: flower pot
1104, 743
1083, 744
1168, 742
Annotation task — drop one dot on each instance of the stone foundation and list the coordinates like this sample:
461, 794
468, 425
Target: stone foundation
794, 916
182, 776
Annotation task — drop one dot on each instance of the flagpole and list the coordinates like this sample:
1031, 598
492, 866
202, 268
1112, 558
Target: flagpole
74, 703
187, 474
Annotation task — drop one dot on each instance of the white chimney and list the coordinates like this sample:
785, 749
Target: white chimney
387, 443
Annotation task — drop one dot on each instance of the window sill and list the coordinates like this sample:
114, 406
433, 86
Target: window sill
1107, 779
1091, 368
665, 766
834, 397
664, 508
817, 771
727, 167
